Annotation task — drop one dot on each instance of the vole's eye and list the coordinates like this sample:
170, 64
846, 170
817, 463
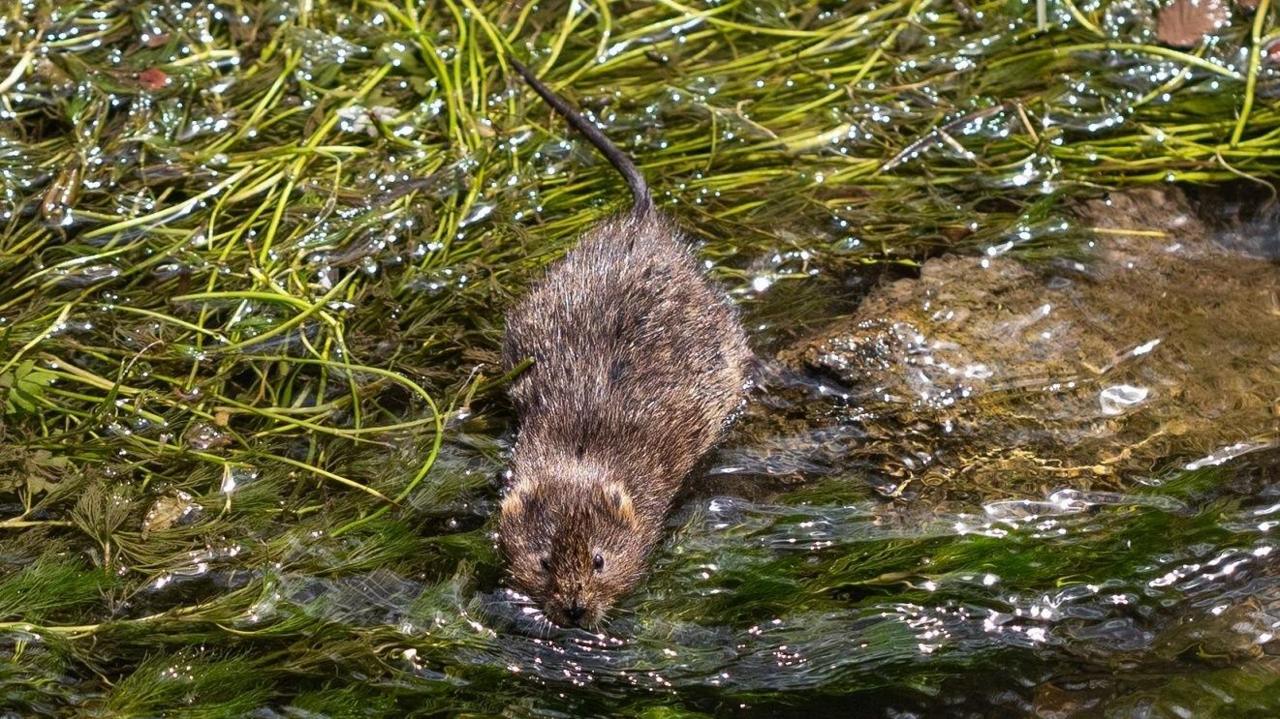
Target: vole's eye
598, 562
546, 564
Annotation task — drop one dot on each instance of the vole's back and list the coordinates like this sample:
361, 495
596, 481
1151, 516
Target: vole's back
638, 360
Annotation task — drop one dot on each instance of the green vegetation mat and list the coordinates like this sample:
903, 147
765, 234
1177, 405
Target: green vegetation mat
254, 257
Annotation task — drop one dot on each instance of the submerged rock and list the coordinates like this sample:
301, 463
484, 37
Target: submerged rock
1156, 346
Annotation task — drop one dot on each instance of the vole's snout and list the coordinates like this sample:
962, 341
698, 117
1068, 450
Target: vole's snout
575, 612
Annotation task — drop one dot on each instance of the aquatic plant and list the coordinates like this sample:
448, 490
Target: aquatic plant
254, 256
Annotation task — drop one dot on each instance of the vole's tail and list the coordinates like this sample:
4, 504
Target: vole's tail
619, 159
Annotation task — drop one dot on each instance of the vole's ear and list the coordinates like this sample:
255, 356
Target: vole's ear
514, 501
619, 501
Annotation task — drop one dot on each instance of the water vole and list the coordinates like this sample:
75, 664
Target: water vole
638, 364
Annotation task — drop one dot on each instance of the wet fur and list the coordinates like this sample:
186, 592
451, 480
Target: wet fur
638, 364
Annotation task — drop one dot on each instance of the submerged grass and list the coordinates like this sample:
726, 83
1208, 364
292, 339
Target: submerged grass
254, 256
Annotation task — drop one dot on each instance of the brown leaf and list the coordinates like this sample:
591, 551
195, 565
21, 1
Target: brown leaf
170, 511
1186, 22
153, 79
61, 195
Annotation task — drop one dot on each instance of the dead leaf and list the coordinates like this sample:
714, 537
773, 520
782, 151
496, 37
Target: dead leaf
153, 79
1186, 22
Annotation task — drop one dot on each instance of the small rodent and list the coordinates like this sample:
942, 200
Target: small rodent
638, 364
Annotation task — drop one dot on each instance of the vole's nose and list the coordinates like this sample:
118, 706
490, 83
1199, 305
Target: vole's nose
575, 611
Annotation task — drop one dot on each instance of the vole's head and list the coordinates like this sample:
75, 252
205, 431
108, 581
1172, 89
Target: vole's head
573, 544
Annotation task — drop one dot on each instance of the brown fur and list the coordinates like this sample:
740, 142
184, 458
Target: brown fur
638, 364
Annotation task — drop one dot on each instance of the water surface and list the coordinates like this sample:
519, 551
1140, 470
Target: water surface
1014, 451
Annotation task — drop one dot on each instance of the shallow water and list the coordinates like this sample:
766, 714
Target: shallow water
917, 552
1015, 450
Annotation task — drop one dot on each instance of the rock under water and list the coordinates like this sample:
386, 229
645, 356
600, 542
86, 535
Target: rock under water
1156, 346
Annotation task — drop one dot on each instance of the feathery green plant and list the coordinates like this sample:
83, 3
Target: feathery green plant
255, 253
